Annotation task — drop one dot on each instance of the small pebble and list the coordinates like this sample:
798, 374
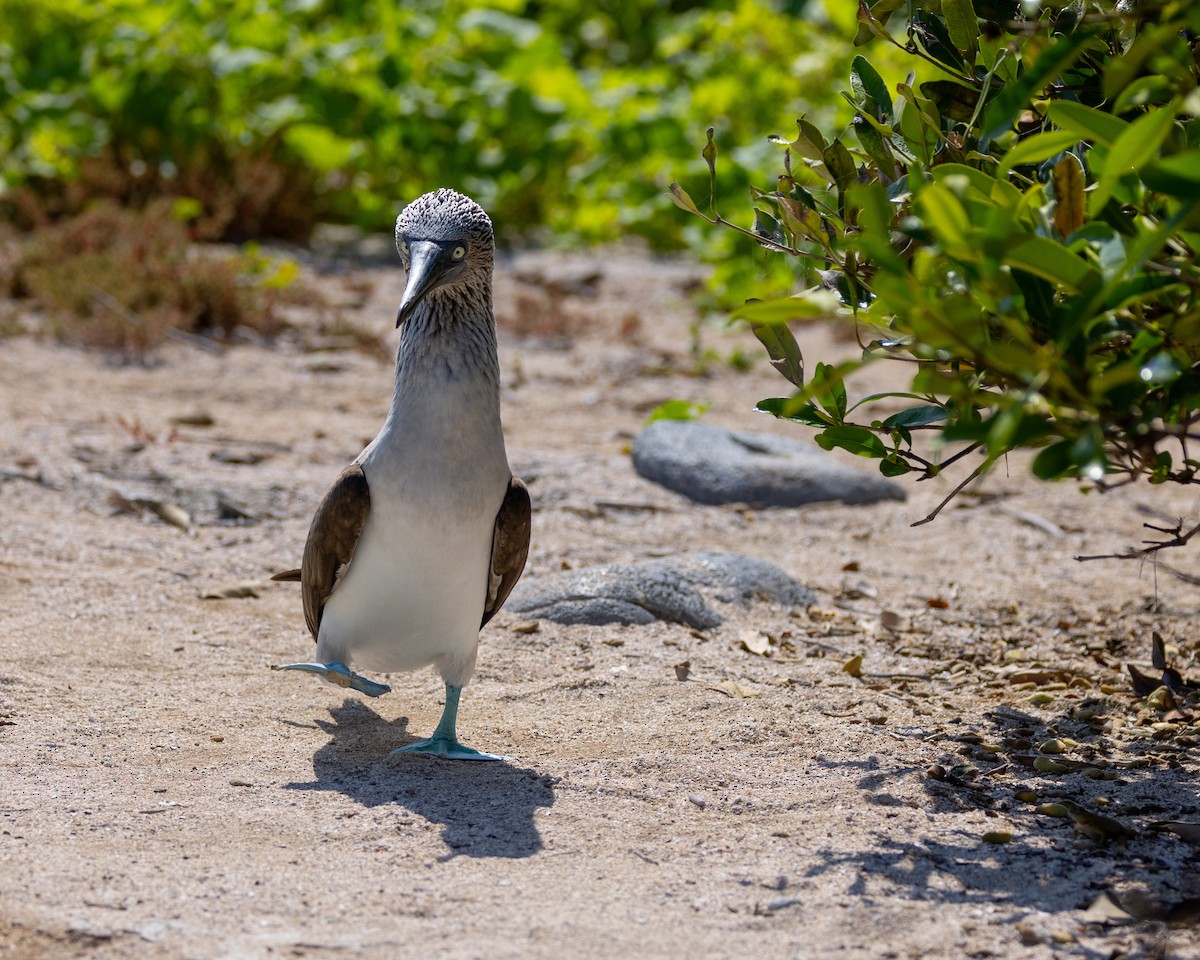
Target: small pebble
698, 800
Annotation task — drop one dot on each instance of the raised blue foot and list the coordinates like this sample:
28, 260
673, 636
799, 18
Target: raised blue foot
340, 674
444, 742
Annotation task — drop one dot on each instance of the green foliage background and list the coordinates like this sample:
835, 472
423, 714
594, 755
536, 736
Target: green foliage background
561, 118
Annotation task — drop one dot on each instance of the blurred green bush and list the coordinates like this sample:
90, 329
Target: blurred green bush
272, 115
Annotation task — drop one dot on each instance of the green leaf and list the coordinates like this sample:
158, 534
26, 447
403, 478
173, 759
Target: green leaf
916, 417
873, 144
1144, 92
858, 440
782, 349
1056, 460
840, 165
893, 466
818, 304
802, 220
918, 130
872, 19
869, 91
931, 33
962, 25
809, 142
1001, 113
1087, 123
979, 180
1135, 147
829, 390
1035, 149
677, 410
681, 198
794, 408
1151, 40
953, 98
767, 228
1051, 261
1123, 291
1176, 176
945, 216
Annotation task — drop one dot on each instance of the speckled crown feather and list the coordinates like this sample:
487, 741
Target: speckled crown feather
445, 215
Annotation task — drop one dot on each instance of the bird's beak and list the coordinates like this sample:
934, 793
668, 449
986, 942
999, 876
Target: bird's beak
425, 272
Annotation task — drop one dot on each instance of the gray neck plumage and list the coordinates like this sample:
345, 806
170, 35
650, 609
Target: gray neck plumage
451, 337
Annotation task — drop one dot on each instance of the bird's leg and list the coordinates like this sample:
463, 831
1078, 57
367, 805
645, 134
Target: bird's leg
444, 742
339, 674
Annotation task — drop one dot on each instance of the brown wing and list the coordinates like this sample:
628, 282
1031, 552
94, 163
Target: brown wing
510, 547
332, 537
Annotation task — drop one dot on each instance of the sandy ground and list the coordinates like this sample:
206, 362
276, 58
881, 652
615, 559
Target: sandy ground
165, 795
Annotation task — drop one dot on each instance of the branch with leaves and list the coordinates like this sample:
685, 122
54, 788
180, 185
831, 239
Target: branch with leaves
1018, 219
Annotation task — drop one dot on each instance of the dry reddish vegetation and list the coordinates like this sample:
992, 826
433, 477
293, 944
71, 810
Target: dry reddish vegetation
945, 756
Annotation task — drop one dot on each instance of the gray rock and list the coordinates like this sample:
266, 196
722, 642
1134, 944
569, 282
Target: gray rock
710, 465
680, 589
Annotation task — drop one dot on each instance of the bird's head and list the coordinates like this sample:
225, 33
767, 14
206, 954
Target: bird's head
443, 239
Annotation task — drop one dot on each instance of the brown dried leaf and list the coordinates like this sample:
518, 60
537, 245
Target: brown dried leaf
735, 689
1069, 185
756, 642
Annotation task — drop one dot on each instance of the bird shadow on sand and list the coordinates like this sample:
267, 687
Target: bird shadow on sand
486, 809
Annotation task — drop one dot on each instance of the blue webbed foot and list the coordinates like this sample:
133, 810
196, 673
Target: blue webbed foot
339, 674
444, 742
451, 749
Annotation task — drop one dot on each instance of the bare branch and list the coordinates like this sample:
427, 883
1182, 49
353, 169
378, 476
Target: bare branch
973, 475
1178, 538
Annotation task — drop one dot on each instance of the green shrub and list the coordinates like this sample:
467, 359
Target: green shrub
275, 114
1017, 220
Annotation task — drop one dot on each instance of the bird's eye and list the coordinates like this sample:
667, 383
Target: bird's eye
459, 252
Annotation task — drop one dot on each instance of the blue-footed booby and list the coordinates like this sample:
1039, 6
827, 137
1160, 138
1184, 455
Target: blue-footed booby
419, 541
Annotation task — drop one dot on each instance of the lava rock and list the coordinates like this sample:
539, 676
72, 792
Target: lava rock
712, 466
679, 589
